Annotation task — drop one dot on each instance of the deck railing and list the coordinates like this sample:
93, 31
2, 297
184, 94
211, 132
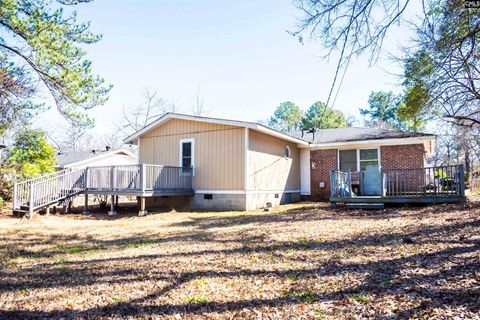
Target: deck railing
167, 177
21, 189
142, 178
430, 181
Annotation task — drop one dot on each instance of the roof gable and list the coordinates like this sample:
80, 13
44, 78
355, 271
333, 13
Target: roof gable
243, 124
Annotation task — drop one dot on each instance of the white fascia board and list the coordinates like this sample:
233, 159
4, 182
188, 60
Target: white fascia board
372, 143
133, 138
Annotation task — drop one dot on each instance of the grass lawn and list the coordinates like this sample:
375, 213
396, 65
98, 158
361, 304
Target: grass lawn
301, 261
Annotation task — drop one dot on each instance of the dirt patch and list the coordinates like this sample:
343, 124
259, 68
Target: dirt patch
301, 261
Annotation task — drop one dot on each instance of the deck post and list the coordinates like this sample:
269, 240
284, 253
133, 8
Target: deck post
30, 202
141, 203
143, 180
87, 177
47, 211
85, 206
112, 211
350, 183
113, 178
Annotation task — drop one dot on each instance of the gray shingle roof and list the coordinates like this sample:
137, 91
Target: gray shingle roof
72, 157
351, 134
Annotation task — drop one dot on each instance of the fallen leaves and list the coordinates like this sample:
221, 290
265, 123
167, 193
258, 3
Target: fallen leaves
303, 261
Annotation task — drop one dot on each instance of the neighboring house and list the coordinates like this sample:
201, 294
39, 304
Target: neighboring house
240, 165
83, 159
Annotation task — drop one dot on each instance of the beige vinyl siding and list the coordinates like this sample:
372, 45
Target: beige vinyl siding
267, 167
218, 155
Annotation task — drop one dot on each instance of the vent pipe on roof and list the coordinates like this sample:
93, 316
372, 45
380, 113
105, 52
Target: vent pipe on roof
312, 131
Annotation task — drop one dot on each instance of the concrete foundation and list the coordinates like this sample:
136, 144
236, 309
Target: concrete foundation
260, 200
218, 202
222, 202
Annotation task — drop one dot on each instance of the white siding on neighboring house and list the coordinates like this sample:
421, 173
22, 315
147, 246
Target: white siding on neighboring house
112, 160
106, 158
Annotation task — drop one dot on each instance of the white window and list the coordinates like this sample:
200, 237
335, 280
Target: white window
187, 153
368, 157
358, 159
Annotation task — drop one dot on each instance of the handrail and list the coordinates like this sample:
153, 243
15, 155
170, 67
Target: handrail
45, 190
45, 176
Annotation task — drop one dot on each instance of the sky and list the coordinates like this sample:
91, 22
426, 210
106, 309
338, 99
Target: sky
237, 53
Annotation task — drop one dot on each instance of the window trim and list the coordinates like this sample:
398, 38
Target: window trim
358, 156
192, 150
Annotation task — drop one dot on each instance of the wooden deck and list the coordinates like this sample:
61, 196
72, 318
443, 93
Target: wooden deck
142, 180
399, 200
444, 184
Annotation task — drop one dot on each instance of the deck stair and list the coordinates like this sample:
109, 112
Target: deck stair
37, 193
370, 206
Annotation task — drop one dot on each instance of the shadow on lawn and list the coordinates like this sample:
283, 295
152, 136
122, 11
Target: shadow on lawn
455, 261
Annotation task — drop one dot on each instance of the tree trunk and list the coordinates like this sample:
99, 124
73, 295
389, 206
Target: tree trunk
467, 164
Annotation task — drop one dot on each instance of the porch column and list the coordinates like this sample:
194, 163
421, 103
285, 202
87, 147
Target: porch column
141, 204
112, 211
85, 208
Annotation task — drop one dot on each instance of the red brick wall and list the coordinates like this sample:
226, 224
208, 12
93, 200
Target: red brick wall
321, 163
405, 156
409, 156
392, 157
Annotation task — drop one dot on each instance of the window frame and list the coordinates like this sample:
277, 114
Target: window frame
192, 153
348, 149
358, 156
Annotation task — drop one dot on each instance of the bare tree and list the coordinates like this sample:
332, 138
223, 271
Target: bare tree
73, 135
150, 108
446, 63
349, 26
112, 140
198, 107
